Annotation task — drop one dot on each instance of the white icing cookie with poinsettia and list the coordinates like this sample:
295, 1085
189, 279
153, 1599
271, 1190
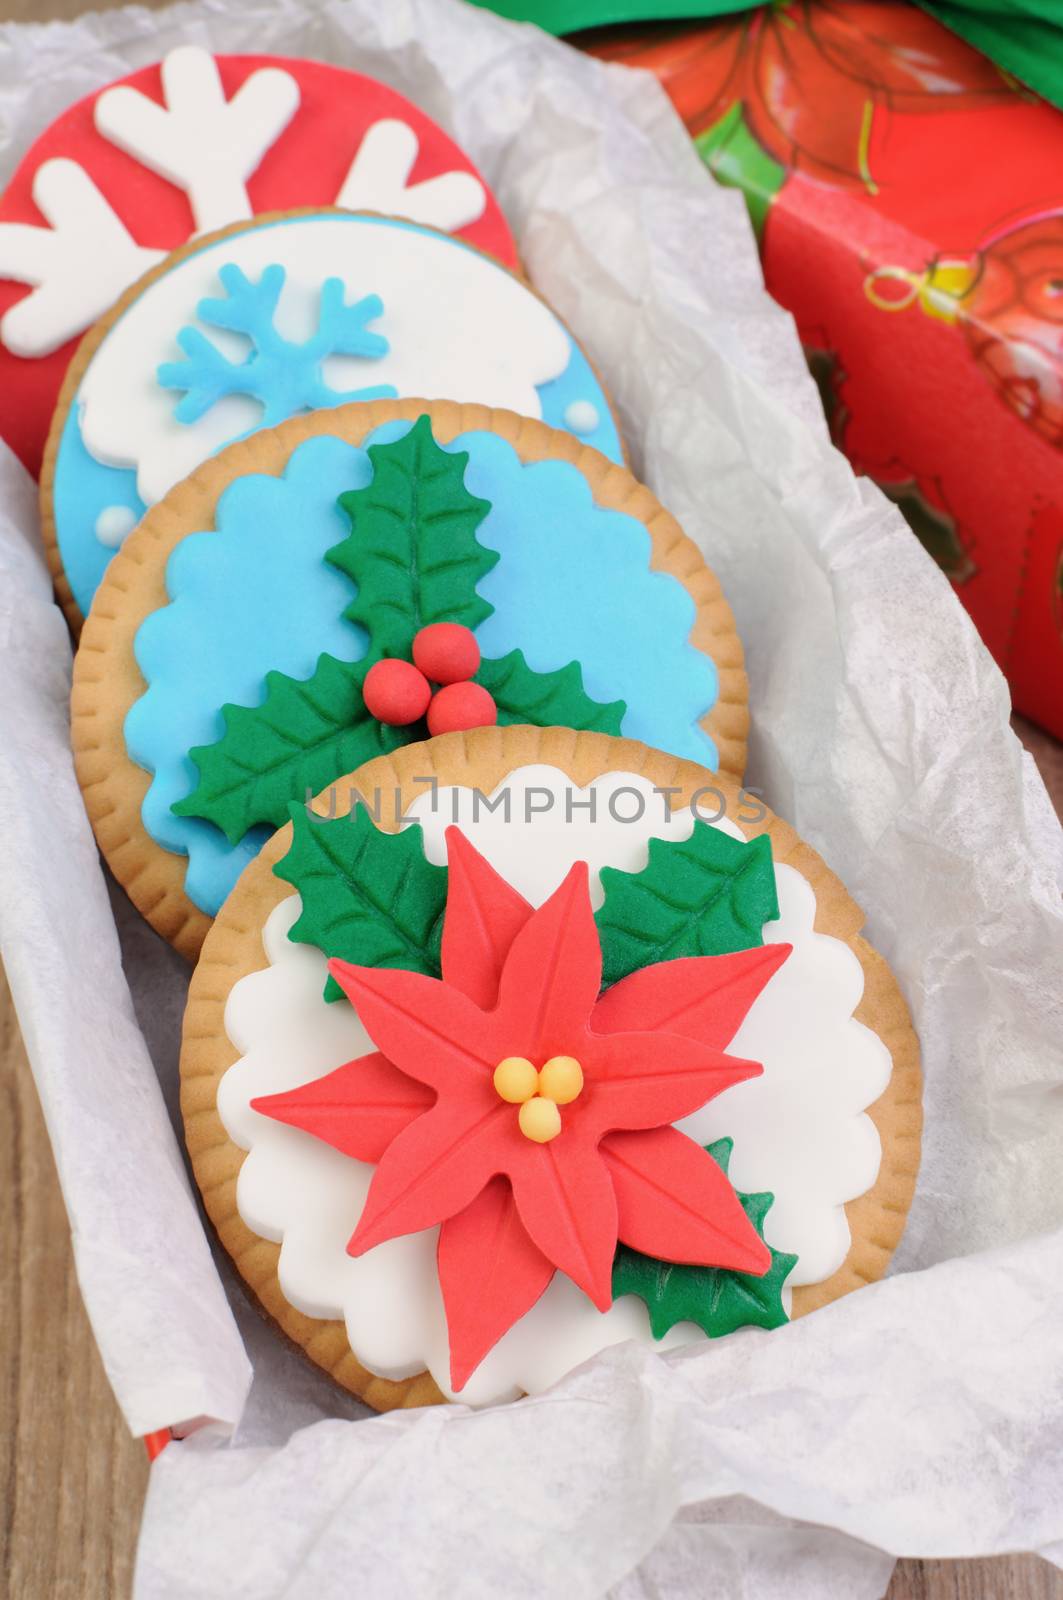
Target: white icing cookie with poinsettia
186, 146
584, 1050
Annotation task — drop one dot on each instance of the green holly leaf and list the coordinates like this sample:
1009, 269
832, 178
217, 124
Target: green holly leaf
304, 734
413, 551
368, 897
308, 732
546, 699
717, 1300
703, 896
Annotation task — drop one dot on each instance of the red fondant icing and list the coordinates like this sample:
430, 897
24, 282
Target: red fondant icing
552, 975
305, 167
698, 1217
705, 998
502, 1198
396, 693
446, 652
386, 1098
459, 706
484, 915
487, 1244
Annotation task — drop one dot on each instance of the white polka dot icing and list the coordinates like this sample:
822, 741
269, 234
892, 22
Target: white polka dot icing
799, 1130
582, 417
114, 524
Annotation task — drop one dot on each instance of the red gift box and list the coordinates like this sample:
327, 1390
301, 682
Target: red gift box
908, 199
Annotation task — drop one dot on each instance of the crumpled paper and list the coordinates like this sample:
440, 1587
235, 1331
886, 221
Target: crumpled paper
919, 1417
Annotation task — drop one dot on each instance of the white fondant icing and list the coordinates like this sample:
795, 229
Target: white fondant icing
79, 264
206, 145
378, 180
458, 325
581, 416
799, 1129
114, 524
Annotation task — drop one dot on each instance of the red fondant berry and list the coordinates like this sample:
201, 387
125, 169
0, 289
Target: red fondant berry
446, 652
459, 706
396, 693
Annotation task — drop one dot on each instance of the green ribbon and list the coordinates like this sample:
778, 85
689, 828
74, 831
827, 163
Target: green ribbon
570, 16
1025, 37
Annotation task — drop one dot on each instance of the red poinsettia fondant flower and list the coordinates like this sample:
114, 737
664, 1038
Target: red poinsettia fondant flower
528, 1113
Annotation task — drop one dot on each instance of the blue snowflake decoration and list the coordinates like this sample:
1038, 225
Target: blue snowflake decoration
283, 375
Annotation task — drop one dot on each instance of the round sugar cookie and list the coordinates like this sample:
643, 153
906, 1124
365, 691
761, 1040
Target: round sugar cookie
182, 148
606, 975
220, 675
282, 315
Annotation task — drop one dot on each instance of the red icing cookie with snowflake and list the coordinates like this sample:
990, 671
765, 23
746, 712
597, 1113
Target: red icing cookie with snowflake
192, 144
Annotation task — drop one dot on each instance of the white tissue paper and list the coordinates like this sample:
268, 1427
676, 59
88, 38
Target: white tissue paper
920, 1417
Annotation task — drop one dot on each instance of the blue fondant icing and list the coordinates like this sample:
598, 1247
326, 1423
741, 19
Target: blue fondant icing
252, 596
578, 382
84, 486
284, 376
573, 583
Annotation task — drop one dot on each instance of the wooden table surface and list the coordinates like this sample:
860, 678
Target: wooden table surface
71, 1480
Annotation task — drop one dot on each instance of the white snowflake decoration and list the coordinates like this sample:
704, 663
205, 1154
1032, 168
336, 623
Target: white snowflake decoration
208, 146
282, 375
79, 264
378, 181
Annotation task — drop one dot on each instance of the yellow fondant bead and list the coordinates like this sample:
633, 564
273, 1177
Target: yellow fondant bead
540, 1120
561, 1080
516, 1079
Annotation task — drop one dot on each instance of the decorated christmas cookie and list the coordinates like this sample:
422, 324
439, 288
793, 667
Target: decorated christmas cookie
185, 147
357, 579
306, 310
525, 1042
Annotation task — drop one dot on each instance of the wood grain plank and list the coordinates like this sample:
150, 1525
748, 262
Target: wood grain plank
1005, 1578
72, 1481
59, 10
